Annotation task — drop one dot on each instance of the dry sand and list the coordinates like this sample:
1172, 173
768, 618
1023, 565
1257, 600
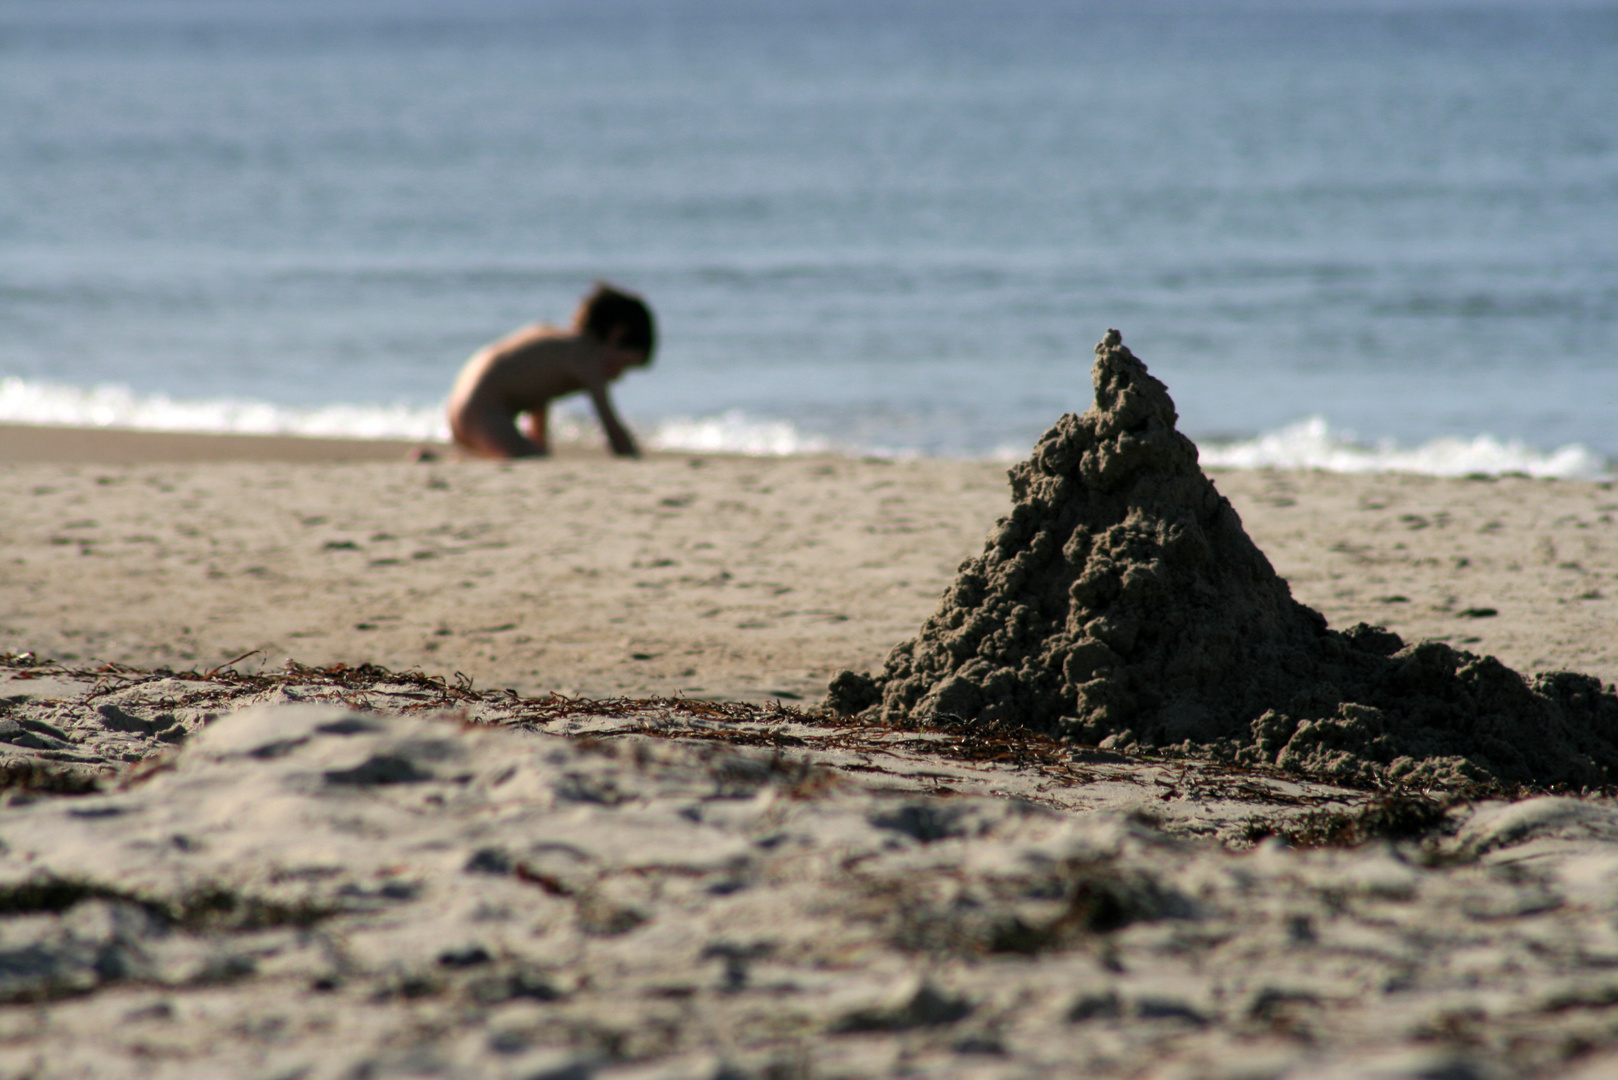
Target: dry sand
711, 576
335, 894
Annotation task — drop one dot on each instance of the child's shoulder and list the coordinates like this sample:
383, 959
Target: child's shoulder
537, 332
538, 342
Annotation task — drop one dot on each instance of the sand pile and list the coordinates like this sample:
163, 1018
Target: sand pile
1122, 603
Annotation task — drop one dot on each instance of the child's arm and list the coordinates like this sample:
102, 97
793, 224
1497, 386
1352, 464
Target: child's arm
623, 443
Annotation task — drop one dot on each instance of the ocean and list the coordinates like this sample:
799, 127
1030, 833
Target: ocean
1353, 235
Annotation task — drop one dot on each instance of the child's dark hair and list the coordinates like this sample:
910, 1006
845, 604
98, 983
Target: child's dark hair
606, 309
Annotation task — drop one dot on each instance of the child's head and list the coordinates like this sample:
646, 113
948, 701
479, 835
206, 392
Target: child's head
620, 318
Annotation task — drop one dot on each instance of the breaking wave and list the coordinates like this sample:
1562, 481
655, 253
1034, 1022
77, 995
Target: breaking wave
1312, 444
1309, 444
109, 406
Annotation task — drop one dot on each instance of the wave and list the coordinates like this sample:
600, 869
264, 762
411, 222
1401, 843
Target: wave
1309, 444
25, 401
734, 432
1312, 444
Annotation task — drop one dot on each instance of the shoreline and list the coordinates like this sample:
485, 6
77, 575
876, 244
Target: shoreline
64, 444
91, 445
35, 444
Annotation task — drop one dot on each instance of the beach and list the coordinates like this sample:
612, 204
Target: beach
334, 762
927, 701
737, 578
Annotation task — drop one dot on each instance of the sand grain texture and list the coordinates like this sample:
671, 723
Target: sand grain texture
316, 891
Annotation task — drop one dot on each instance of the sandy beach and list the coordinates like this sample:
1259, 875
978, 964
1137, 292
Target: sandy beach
727, 577
934, 698
459, 873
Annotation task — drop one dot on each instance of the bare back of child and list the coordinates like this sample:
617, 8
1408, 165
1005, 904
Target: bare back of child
522, 373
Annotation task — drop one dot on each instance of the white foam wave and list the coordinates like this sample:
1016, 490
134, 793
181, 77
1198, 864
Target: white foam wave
24, 401
734, 432
1309, 444
1312, 444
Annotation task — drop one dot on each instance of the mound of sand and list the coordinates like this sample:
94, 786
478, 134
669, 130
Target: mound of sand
1122, 603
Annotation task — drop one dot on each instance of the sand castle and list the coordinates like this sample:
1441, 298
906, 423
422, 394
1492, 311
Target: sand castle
1121, 603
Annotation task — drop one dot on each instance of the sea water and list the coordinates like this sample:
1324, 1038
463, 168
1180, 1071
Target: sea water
1350, 235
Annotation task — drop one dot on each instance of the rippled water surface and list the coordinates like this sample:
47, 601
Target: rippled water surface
875, 226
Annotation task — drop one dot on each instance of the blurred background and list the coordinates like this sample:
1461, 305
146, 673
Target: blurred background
1353, 234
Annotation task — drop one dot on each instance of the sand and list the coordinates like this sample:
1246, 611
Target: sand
21, 443
1120, 603
725, 577
580, 888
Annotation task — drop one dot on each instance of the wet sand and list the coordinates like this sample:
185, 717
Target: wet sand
39, 444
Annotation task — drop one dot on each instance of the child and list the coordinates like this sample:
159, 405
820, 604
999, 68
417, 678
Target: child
521, 374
